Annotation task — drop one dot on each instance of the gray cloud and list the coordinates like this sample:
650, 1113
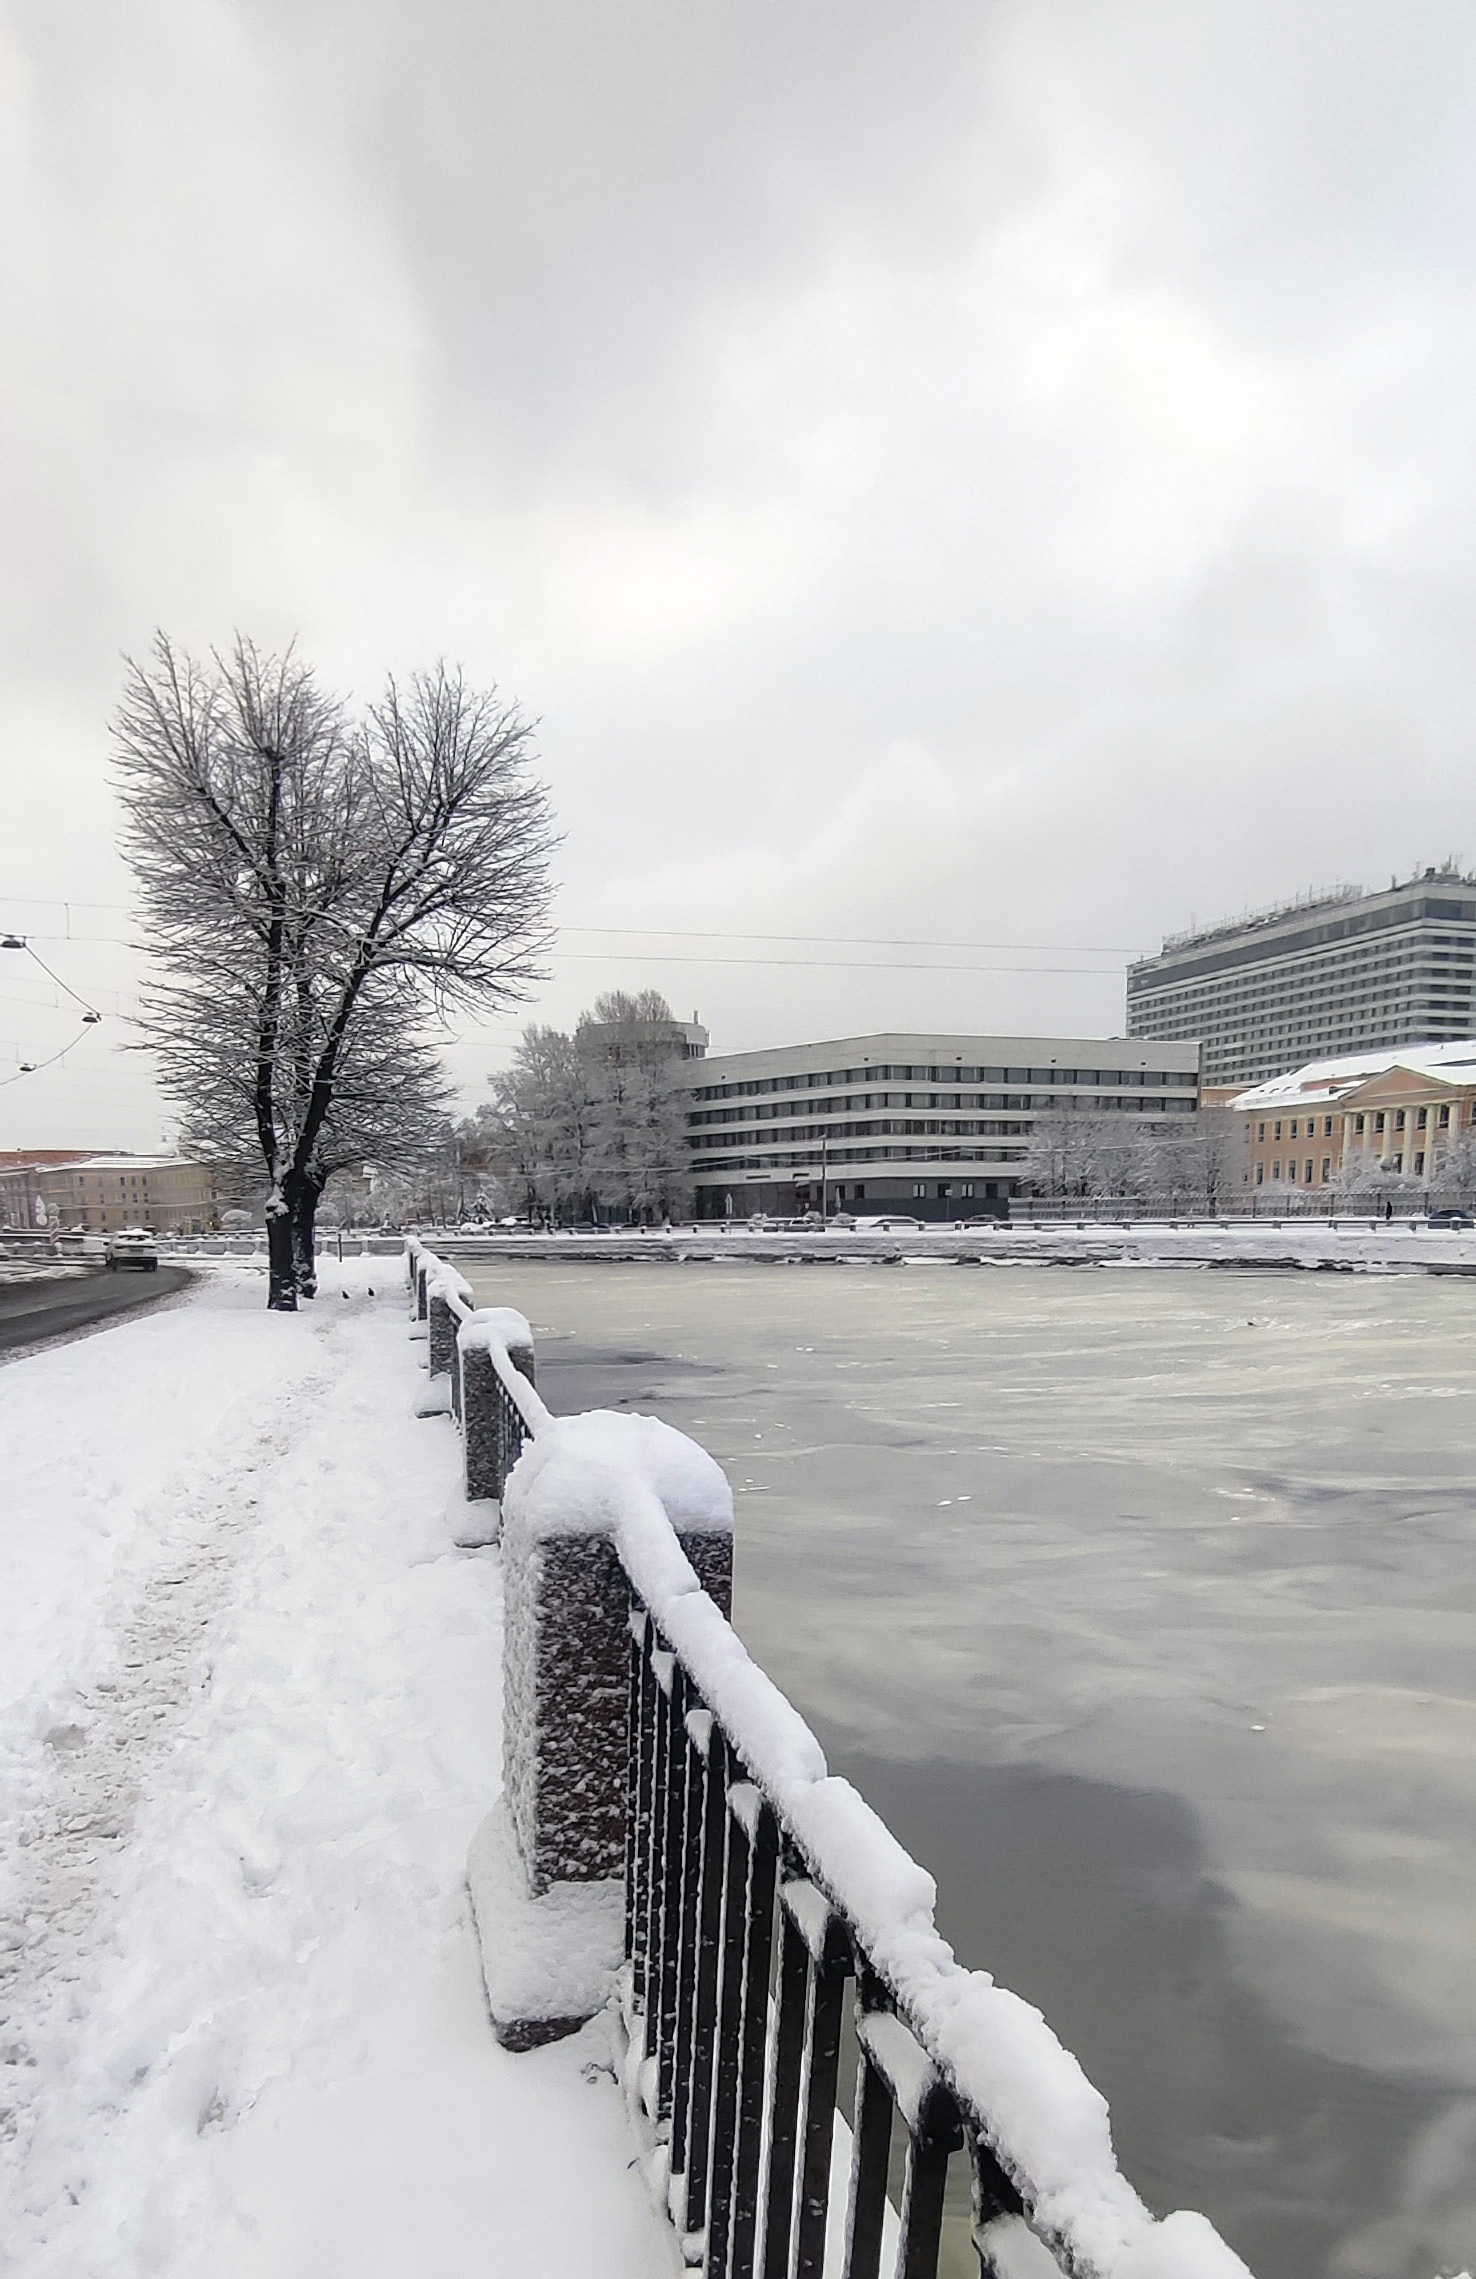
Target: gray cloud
995, 475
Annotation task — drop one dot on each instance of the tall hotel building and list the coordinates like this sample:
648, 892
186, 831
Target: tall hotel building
1336, 973
933, 1126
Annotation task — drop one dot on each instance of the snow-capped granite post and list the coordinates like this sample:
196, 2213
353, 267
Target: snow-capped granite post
547, 1866
449, 1298
485, 1457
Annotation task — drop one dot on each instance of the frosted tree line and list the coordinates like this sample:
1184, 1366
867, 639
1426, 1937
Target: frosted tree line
1195, 1165
1077, 1154
591, 1125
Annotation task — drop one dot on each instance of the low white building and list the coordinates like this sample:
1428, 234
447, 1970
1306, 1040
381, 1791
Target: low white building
936, 1126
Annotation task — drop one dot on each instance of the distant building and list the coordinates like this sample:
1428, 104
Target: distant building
687, 1038
103, 1192
1343, 971
1403, 1111
934, 1126
22, 1203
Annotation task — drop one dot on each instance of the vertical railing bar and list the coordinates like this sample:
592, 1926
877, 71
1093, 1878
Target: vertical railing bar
822, 2069
763, 1873
656, 1871
729, 2030
673, 1869
641, 1840
709, 1974
688, 1928
639, 1621
784, 2099
866, 2210
929, 2147
991, 2194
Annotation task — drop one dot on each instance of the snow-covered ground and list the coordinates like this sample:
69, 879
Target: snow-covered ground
251, 1720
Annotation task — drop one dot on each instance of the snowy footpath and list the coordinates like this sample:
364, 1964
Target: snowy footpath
250, 1719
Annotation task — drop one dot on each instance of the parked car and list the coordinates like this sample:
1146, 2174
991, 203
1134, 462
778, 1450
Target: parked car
895, 1222
1452, 1220
134, 1247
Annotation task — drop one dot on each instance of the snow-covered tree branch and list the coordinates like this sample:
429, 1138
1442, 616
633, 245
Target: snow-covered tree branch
315, 889
594, 1121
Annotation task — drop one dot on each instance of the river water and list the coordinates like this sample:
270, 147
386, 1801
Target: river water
1142, 1605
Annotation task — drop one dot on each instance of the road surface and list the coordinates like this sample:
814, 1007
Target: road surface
32, 1312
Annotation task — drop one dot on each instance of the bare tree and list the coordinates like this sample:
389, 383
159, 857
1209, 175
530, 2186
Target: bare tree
1365, 1183
315, 889
539, 1130
633, 1049
596, 1119
1453, 1172
1192, 1162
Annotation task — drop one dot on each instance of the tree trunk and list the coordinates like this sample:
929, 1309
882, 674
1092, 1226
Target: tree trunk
281, 1269
303, 1218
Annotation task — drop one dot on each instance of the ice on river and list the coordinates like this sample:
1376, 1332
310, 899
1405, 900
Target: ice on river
1143, 1605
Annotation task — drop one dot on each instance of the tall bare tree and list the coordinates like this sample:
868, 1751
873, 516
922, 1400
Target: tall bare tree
596, 1119
316, 889
632, 1048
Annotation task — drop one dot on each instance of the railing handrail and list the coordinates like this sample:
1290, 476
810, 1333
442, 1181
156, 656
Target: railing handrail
1017, 2086
480, 1322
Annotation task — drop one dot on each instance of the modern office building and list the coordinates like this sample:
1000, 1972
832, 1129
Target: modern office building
935, 1126
1343, 971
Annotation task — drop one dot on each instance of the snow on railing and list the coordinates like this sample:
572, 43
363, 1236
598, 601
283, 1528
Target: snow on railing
669, 1834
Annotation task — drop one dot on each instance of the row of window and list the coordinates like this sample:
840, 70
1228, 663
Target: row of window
1122, 1078
1371, 931
760, 1112
1447, 1119
725, 1166
1395, 1163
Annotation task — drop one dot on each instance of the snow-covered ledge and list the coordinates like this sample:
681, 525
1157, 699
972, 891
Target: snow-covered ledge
547, 1868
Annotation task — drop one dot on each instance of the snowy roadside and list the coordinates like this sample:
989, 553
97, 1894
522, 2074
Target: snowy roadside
252, 1723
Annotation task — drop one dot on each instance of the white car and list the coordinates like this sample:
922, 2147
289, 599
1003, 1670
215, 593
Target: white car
132, 1247
894, 1222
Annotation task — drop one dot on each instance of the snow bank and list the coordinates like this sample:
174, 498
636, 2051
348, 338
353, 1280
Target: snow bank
262, 2047
553, 1956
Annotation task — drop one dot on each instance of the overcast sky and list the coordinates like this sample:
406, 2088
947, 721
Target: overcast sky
956, 474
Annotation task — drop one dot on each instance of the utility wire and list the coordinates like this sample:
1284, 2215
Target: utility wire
672, 933
838, 965
90, 1013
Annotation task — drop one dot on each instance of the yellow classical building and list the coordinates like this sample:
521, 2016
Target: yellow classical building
1403, 1112
101, 1193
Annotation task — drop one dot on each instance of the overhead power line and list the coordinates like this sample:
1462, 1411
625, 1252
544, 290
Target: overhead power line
859, 941
664, 933
840, 965
90, 1013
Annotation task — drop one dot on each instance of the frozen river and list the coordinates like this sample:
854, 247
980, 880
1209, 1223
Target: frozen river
1142, 1605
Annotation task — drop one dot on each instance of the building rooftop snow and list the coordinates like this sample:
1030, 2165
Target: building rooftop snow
1453, 1063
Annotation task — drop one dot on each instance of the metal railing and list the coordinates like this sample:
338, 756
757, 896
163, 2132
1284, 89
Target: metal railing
738, 1960
742, 1934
